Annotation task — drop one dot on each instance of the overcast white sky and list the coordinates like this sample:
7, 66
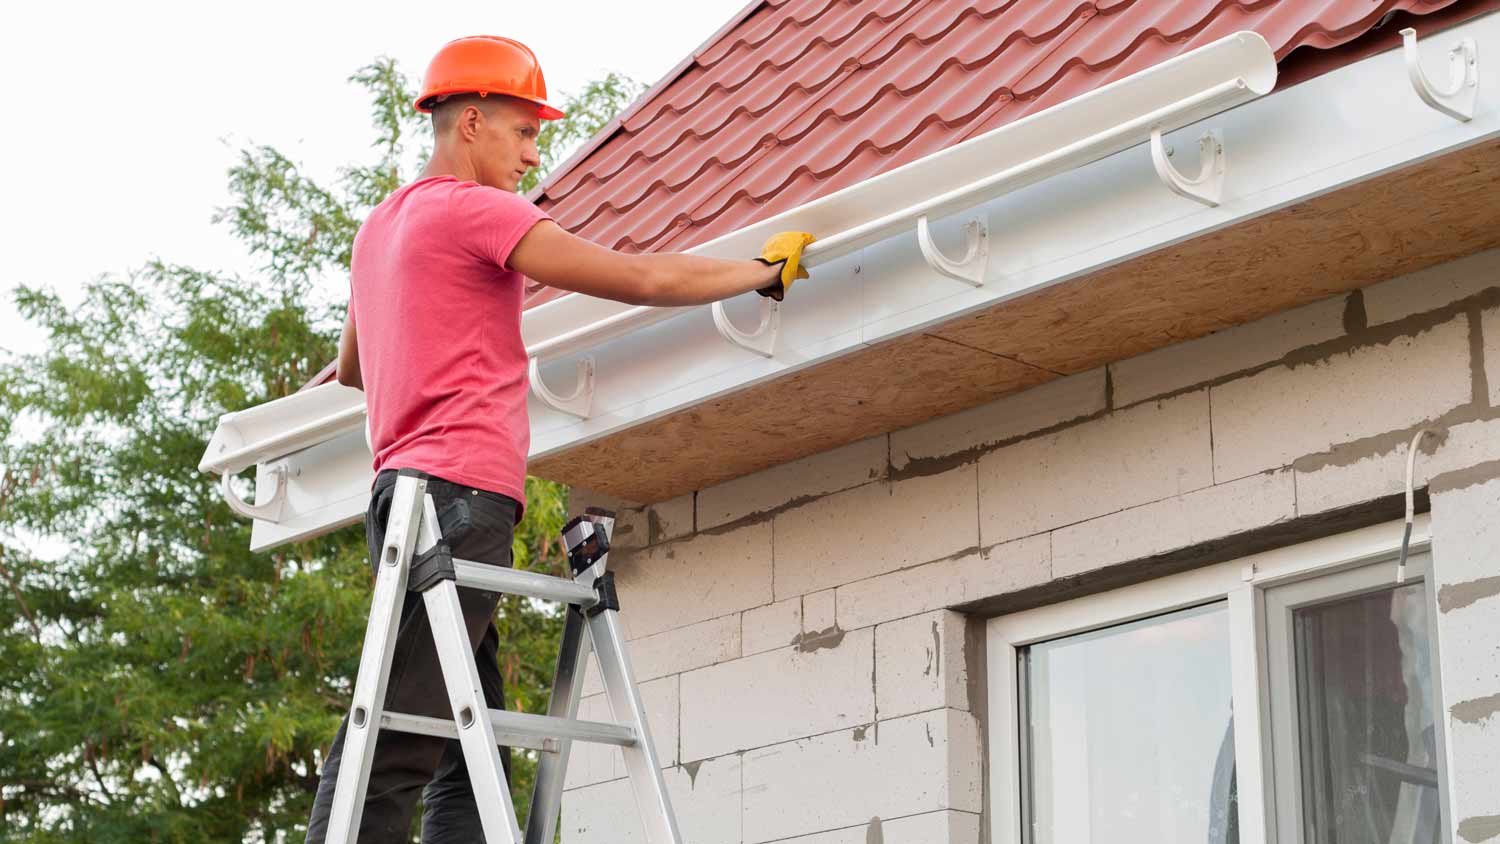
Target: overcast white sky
122, 118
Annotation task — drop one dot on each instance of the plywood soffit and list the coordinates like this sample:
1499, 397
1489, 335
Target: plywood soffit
1403, 221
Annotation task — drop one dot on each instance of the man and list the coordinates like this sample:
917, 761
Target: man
433, 337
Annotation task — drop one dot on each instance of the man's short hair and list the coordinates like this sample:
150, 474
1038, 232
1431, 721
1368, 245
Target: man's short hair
445, 112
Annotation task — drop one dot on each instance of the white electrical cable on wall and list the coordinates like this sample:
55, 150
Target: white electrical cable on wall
1411, 464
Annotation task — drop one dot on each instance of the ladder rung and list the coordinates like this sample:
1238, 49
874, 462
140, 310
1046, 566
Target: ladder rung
598, 732
518, 729
472, 575
444, 728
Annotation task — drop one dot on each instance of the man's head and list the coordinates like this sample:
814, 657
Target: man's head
494, 133
487, 99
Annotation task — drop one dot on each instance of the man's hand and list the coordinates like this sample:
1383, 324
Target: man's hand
785, 250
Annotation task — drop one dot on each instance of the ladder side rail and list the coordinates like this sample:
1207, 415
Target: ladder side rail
375, 661
641, 763
476, 733
567, 691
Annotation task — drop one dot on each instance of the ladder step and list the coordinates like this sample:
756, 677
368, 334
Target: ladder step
519, 729
472, 575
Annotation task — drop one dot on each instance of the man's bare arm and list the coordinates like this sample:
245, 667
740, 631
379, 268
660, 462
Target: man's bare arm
554, 257
347, 370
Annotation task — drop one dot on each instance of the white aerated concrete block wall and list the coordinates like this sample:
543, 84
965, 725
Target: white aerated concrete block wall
1466, 568
807, 678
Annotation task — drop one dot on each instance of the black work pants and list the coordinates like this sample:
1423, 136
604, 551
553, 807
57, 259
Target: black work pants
407, 766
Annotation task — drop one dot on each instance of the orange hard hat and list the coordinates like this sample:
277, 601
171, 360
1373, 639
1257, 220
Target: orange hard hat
486, 64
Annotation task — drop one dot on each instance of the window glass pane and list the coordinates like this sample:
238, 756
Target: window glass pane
1364, 710
1130, 734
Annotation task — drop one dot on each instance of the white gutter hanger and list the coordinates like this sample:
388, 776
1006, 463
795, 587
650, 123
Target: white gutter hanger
970, 268
312, 462
1457, 100
1208, 185
577, 403
1139, 108
762, 340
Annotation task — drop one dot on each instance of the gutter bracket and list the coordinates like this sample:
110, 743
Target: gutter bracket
270, 511
1457, 100
578, 403
970, 268
1208, 186
762, 340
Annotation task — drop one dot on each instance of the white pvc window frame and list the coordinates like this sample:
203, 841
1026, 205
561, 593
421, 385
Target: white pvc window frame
1243, 583
1281, 604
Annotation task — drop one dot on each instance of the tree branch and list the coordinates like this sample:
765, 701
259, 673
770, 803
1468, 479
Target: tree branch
99, 778
50, 787
16, 590
166, 775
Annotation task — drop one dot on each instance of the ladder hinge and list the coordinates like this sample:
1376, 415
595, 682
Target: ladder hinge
432, 567
609, 599
586, 539
435, 565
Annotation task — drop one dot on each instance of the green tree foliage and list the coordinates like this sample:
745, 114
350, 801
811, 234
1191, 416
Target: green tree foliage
158, 682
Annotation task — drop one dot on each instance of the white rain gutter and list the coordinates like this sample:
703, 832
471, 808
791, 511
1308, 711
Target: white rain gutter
312, 459
313, 463
1091, 126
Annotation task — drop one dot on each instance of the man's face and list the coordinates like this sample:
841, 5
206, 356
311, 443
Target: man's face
505, 145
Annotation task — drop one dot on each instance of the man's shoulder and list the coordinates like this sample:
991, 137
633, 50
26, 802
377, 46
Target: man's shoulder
473, 196
453, 190
419, 196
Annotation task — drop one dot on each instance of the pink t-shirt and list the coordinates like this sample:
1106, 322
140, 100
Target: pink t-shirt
437, 314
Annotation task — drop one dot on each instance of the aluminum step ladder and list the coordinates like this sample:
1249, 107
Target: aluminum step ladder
415, 558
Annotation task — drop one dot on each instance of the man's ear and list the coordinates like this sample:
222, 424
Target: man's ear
470, 122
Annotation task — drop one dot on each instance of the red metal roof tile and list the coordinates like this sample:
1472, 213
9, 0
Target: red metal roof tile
799, 98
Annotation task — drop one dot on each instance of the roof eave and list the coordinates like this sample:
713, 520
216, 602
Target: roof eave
1352, 129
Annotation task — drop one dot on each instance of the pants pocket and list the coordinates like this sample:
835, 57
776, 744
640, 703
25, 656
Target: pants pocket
493, 522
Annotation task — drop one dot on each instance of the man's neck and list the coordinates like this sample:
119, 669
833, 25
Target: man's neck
443, 164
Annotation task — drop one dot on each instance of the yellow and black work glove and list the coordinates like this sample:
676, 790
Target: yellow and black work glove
784, 249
